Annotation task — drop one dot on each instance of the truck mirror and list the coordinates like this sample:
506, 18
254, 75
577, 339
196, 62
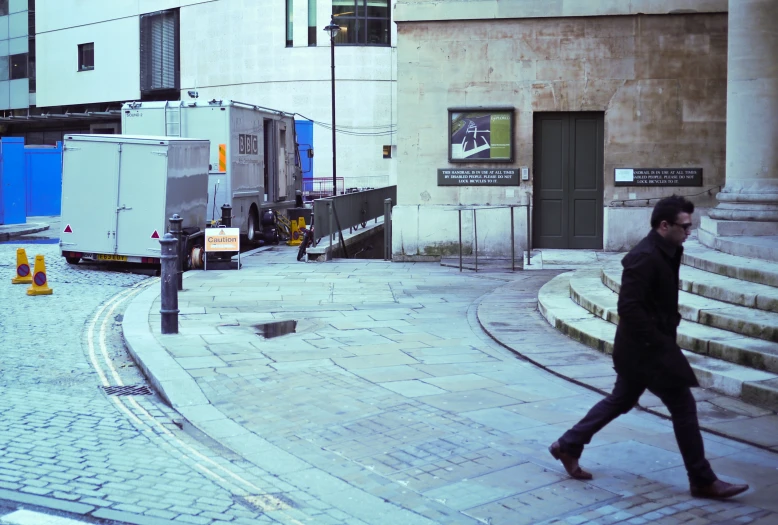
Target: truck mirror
310, 153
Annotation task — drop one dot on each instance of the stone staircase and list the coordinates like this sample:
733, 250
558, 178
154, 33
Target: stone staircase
729, 330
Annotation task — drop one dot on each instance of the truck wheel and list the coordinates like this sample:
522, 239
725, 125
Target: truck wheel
72, 260
253, 222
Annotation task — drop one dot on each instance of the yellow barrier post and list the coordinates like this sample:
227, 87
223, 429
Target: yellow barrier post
296, 237
22, 268
40, 285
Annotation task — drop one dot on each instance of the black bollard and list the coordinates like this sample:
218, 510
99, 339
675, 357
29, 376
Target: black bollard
226, 216
298, 198
169, 297
175, 230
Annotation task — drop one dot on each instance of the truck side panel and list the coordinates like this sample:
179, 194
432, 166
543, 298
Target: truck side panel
245, 163
141, 210
89, 186
187, 183
211, 123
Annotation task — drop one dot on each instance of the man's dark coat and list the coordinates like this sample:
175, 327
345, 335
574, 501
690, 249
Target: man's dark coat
645, 349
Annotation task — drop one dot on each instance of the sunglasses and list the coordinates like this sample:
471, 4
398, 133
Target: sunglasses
686, 225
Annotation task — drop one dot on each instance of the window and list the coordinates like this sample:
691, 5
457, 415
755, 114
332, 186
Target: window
160, 52
362, 22
18, 66
86, 56
387, 152
312, 22
289, 23
3, 7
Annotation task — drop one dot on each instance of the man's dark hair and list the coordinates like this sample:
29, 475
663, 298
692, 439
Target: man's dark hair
667, 209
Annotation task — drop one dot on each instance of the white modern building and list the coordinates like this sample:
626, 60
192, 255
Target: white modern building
94, 55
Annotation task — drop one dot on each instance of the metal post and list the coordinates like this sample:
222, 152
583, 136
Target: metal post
176, 232
329, 211
334, 156
298, 199
169, 297
227, 215
387, 229
529, 239
513, 247
475, 236
459, 212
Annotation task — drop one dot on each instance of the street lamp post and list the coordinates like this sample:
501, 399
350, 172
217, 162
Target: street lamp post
333, 30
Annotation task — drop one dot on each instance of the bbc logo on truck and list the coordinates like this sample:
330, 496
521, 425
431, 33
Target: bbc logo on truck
248, 144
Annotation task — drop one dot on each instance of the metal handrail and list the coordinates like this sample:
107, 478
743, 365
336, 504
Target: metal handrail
474, 209
352, 209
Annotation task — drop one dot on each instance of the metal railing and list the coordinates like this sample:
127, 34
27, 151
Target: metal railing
320, 187
513, 233
335, 214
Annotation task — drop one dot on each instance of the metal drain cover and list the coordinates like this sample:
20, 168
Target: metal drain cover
127, 390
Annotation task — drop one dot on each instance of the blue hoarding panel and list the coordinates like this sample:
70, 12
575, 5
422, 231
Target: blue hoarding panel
43, 170
13, 201
304, 130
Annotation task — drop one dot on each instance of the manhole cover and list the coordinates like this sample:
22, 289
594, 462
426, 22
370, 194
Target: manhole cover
127, 390
276, 329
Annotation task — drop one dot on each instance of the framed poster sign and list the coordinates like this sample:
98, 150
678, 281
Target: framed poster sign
480, 134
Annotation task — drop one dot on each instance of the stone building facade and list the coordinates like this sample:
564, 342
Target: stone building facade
595, 87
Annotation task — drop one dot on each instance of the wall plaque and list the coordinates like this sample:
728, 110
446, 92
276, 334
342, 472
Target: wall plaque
478, 177
658, 177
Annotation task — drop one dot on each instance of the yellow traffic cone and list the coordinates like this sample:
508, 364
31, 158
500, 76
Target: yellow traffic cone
40, 285
296, 237
22, 268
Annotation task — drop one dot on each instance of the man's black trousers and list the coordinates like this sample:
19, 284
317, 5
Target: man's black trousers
625, 395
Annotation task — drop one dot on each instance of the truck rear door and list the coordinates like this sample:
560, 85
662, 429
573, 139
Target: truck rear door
141, 204
89, 186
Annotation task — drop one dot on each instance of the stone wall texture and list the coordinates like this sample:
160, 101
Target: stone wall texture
659, 79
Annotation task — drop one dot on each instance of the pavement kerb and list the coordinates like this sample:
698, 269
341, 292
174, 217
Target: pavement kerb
172, 382
485, 303
23, 229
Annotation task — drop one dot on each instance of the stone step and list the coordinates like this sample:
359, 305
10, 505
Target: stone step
562, 312
728, 290
698, 338
762, 247
750, 322
701, 257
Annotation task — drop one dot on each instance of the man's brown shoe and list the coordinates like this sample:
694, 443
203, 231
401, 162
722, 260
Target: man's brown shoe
569, 462
718, 490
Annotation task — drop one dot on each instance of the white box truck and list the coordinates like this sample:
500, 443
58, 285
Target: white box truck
254, 162
118, 193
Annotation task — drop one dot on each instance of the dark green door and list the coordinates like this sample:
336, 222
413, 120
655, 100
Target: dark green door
568, 180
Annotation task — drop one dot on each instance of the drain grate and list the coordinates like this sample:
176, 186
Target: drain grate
127, 390
265, 503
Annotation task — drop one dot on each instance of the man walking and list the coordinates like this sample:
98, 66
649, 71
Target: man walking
646, 355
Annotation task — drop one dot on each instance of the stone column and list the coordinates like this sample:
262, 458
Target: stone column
751, 189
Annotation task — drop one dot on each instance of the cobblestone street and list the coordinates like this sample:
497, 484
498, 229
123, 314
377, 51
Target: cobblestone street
64, 440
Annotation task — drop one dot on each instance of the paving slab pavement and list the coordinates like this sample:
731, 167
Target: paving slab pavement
33, 225
391, 404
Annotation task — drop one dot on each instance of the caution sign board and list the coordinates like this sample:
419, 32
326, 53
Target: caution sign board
222, 239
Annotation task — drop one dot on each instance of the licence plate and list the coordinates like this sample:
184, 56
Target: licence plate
103, 257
